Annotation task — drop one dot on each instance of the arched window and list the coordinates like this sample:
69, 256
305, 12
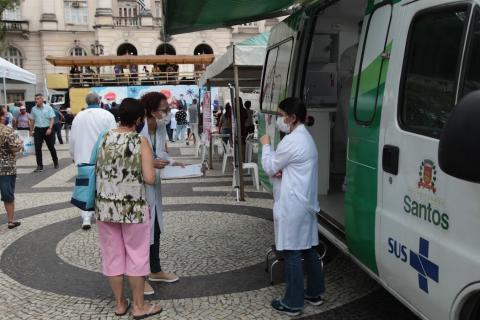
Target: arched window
166, 48
78, 52
14, 56
203, 49
126, 48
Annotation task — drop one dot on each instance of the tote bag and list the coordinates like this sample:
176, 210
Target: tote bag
85, 188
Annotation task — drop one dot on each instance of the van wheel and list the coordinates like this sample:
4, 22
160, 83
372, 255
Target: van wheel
471, 309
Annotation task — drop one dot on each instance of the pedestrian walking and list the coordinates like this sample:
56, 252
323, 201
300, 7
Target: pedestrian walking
249, 124
86, 127
293, 169
123, 219
10, 144
193, 121
41, 124
22, 120
57, 125
225, 123
181, 120
155, 131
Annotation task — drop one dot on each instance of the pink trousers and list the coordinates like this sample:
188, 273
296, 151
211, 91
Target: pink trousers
125, 248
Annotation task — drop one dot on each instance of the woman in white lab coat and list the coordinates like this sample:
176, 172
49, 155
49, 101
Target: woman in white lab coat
293, 168
155, 131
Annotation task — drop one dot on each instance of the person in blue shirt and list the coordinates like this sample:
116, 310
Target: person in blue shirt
57, 125
41, 122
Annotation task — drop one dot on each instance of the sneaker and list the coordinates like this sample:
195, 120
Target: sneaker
278, 306
314, 301
39, 169
163, 277
55, 166
86, 224
188, 143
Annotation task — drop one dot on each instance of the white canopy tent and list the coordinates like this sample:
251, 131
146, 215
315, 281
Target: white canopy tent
13, 73
248, 56
240, 67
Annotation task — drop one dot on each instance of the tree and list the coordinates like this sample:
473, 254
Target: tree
4, 5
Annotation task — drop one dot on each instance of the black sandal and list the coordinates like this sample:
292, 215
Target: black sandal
13, 224
126, 309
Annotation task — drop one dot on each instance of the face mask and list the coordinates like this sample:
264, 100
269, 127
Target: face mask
140, 127
282, 126
7, 120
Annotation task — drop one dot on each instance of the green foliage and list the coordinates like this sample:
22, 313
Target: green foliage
6, 4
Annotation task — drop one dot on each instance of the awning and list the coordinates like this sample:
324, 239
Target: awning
86, 61
13, 72
248, 56
182, 16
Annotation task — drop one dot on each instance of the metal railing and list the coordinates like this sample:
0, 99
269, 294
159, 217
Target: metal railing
127, 21
133, 79
15, 26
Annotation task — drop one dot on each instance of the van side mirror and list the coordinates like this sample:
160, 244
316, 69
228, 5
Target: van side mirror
459, 149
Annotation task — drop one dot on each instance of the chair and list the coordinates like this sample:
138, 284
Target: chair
227, 153
279, 257
249, 147
248, 165
200, 144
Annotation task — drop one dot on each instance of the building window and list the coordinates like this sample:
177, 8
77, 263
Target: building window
76, 12
78, 52
14, 56
158, 9
15, 96
14, 14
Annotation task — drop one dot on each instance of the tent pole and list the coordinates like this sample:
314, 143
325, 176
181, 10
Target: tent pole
238, 140
210, 139
4, 91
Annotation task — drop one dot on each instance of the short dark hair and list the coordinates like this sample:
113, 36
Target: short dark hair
130, 110
151, 102
194, 101
248, 104
38, 95
294, 107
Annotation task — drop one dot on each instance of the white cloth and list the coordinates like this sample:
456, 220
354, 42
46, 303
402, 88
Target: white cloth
86, 127
173, 122
154, 193
295, 194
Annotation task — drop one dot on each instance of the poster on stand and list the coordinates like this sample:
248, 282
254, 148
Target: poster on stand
207, 116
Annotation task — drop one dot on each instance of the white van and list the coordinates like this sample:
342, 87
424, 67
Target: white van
381, 79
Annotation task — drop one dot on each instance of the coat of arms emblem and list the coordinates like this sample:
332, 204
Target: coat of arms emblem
428, 175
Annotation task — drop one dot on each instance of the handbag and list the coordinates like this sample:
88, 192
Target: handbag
85, 188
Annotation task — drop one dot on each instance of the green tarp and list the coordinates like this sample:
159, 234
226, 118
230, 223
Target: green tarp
183, 16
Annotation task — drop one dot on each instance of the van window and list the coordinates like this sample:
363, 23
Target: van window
430, 72
472, 66
276, 75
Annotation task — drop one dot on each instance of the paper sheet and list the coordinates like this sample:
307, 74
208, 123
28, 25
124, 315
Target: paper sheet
176, 172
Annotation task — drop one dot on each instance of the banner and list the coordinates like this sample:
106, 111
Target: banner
207, 115
117, 94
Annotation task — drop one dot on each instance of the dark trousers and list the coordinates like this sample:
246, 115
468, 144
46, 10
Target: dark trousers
169, 132
57, 130
155, 249
39, 136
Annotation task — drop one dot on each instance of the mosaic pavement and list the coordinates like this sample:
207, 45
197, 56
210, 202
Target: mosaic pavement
49, 268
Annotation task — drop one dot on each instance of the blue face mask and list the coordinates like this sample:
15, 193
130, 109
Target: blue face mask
7, 120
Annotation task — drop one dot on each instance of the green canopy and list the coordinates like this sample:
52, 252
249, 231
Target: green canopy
183, 16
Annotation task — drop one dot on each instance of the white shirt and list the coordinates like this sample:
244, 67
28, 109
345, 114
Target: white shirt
86, 127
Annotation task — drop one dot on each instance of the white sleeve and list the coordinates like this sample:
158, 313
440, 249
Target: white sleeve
72, 138
274, 161
110, 122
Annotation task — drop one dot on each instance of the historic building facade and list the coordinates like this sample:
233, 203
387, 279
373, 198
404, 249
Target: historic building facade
39, 28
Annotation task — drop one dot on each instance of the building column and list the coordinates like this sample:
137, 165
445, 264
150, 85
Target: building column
104, 13
48, 19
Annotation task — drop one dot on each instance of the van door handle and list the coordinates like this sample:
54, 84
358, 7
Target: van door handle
390, 159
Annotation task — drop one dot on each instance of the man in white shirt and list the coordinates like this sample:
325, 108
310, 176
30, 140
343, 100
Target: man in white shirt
86, 127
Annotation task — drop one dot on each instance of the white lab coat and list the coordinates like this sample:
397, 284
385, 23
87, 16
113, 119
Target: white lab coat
86, 127
295, 194
153, 193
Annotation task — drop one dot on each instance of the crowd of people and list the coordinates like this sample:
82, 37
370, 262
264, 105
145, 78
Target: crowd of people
128, 202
